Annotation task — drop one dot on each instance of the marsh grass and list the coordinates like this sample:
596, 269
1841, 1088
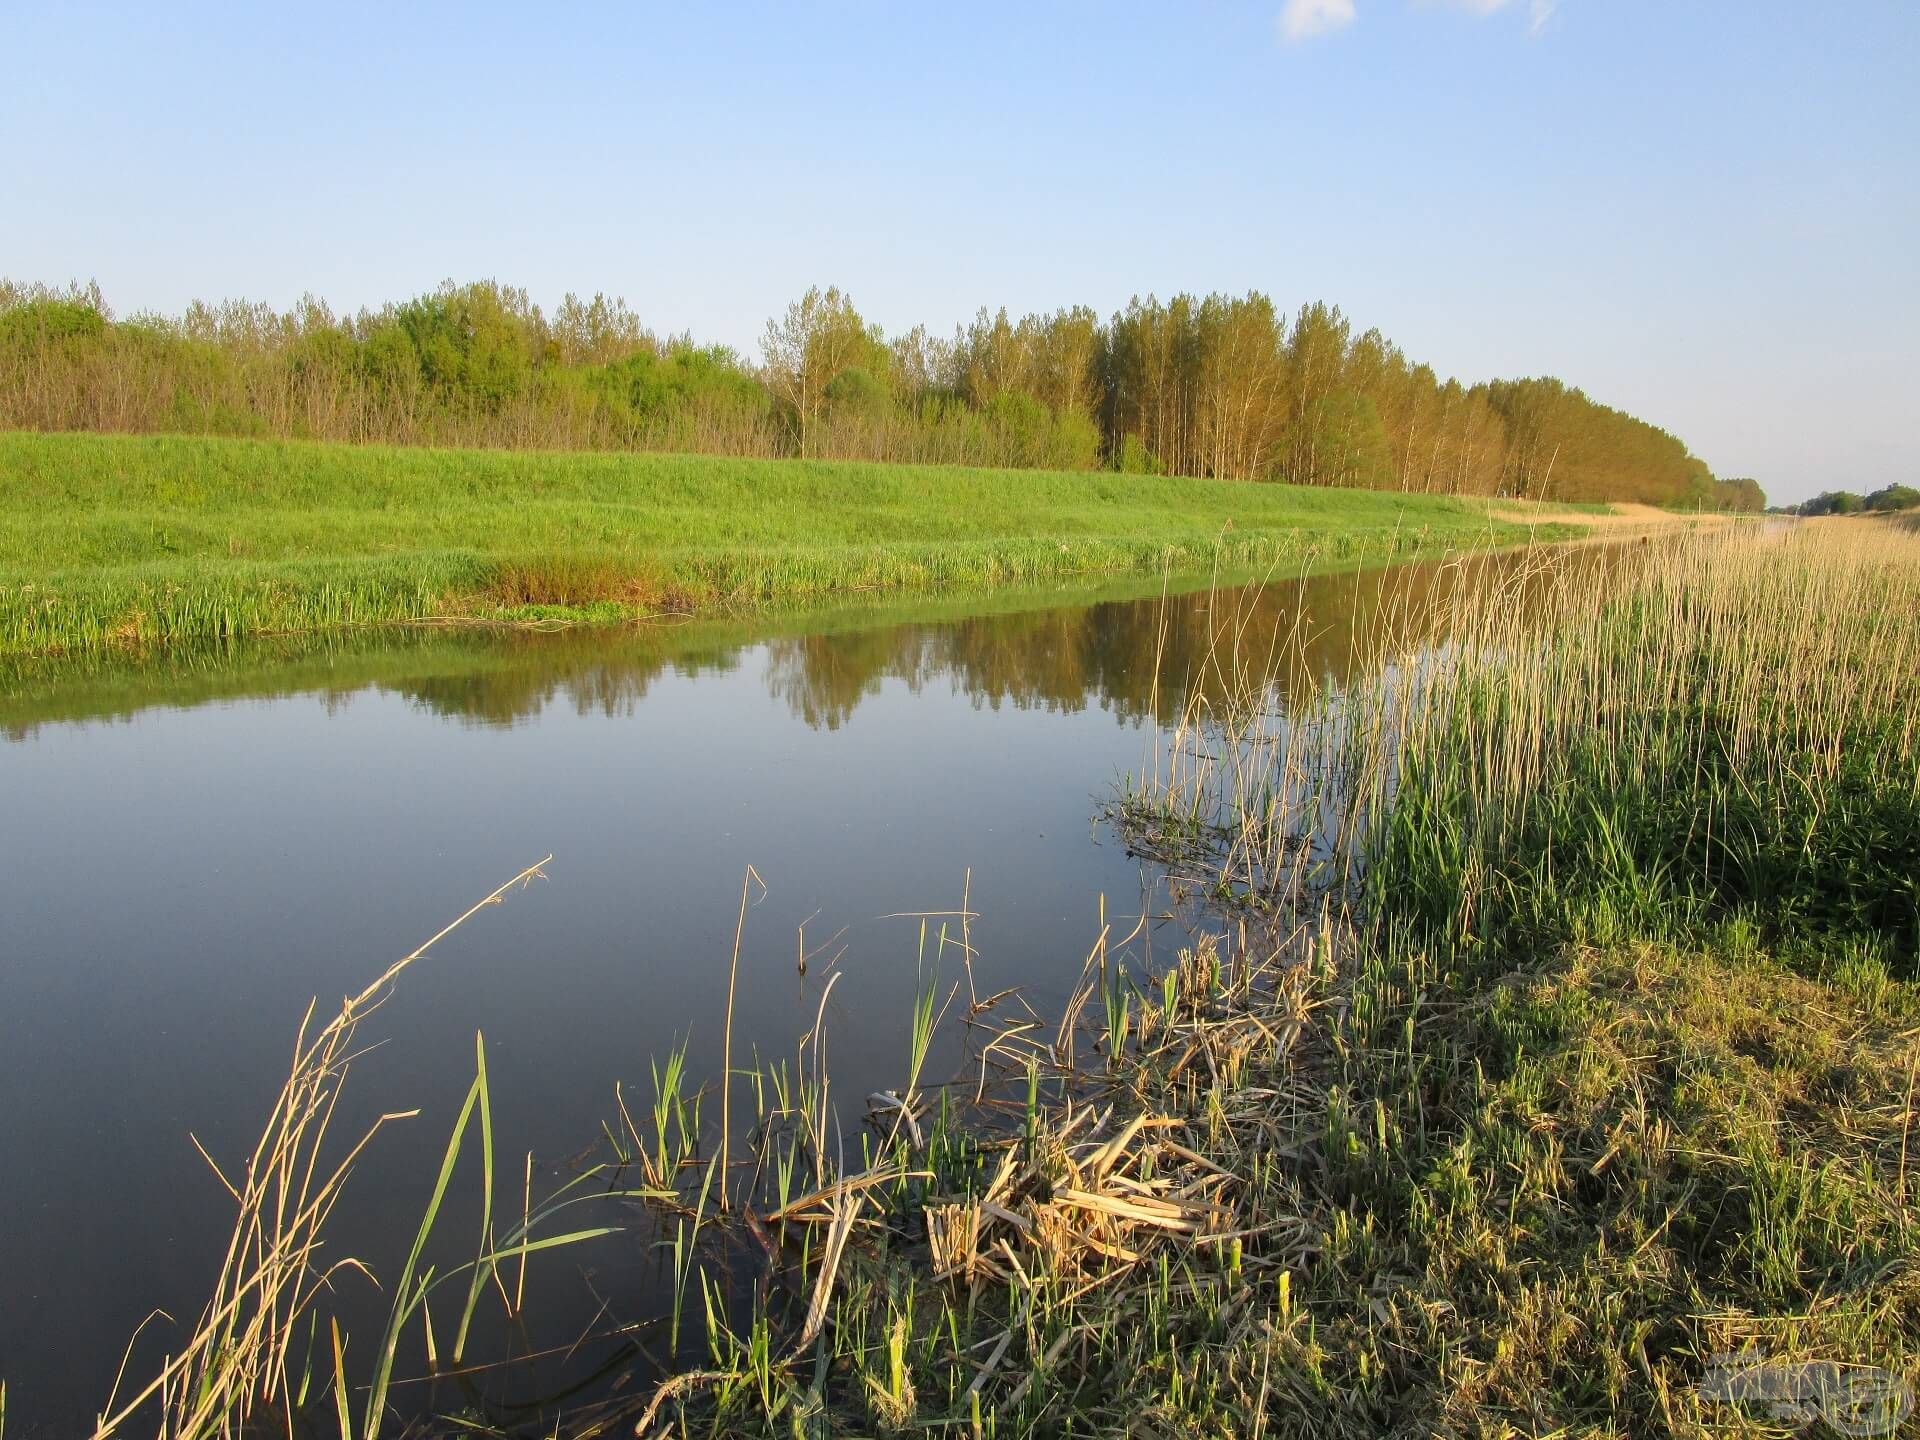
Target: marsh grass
1725, 733
1714, 727
1550, 1034
1563, 1043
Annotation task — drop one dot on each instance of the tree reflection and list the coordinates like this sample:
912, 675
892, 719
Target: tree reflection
1141, 659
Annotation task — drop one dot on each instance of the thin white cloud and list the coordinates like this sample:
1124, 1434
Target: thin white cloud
1304, 19
1539, 12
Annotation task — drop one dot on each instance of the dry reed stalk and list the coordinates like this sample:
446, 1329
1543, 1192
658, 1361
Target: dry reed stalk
726, 1054
236, 1361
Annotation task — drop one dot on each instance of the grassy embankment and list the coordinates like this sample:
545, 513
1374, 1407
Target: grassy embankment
141, 539
1581, 1051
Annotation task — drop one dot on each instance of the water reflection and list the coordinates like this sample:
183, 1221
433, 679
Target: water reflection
1139, 655
197, 844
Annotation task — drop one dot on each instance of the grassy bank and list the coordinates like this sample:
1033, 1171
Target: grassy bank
1553, 1037
131, 540
1559, 1044
1615, 1072
509, 670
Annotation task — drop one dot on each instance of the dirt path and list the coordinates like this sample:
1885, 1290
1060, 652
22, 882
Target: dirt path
1620, 516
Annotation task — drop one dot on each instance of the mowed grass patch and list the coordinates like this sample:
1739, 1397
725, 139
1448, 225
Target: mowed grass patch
156, 539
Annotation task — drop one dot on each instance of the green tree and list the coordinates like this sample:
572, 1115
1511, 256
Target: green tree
1349, 441
1220, 386
821, 335
856, 393
1316, 363
1894, 497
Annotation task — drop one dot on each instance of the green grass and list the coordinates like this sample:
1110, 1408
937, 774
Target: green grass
1617, 1067
1603, 1067
142, 539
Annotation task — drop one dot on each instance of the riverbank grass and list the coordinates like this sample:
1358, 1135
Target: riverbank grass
130, 540
1550, 1048
1557, 1053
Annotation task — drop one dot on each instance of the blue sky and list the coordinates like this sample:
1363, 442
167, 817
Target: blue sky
1705, 213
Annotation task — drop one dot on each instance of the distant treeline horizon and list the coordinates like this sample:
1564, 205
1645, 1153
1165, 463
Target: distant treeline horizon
1221, 386
1888, 499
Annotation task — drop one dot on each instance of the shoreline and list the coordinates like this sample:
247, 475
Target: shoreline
139, 542
1541, 1114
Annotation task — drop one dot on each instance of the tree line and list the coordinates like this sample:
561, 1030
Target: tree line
1220, 385
1886, 500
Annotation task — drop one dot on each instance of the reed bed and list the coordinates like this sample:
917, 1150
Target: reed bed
1547, 1032
1730, 735
1590, 748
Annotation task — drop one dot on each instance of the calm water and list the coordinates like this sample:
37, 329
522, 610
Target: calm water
191, 851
